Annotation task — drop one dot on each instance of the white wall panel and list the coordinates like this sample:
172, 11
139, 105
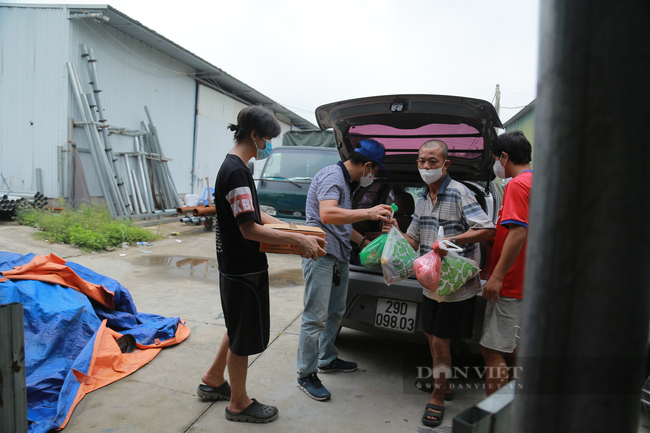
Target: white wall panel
214, 140
33, 95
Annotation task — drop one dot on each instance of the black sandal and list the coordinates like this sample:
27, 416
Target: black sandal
256, 412
221, 392
428, 412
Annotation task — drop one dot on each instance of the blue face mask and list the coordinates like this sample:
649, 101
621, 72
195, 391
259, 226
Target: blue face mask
263, 154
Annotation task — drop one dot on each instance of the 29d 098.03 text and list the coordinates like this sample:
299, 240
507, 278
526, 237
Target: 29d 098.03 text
395, 315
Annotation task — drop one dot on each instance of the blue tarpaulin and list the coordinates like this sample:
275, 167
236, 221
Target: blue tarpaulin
70, 336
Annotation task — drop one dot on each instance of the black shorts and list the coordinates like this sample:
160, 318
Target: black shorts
448, 319
245, 304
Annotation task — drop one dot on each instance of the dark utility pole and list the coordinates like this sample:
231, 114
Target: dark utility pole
587, 295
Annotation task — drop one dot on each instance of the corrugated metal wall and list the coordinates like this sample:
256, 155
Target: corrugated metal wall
214, 140
33, 89
37, 101
526, 124
131, 75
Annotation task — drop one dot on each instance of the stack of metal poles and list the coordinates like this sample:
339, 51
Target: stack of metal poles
149, 179
158, 163
12, 202
92, 74
103, 169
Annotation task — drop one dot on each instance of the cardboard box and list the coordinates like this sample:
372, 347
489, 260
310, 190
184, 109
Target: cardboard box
288, 248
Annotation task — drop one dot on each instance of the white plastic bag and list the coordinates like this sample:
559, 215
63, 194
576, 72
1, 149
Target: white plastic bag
191, 199
397, 257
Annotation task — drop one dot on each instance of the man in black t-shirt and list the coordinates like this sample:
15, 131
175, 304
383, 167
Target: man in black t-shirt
236, 203
244, 278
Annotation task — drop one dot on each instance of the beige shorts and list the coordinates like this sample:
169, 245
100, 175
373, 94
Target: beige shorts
500, 323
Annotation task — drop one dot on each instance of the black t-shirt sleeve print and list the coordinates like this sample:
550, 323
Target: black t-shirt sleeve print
240, 197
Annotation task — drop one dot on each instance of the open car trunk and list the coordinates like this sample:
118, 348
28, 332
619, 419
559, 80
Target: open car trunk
402, 123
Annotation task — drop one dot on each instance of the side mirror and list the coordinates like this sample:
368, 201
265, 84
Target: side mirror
251, 167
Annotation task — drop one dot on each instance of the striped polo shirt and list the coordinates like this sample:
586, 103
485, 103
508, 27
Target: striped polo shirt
331, 183
457, 210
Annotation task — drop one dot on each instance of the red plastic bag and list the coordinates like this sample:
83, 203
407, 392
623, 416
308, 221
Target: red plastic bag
427, 269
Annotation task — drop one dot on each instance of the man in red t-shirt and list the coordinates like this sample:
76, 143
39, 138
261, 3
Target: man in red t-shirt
505, 286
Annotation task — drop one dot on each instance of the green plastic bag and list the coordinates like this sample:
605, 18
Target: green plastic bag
454, 272
397, 257
370, 256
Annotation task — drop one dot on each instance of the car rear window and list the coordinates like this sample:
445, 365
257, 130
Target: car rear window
463, 141
298, 163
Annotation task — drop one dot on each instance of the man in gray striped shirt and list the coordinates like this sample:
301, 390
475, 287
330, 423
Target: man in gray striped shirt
452, 205
329, 206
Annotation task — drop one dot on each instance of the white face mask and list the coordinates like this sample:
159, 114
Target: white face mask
430, 176
499, 170
367, 180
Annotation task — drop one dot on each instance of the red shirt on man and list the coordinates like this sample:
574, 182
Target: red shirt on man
514, 210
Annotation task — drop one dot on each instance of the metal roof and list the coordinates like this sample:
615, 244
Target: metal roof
207, 73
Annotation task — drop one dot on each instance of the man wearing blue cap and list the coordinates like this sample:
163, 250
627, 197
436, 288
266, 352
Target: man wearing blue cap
329, 206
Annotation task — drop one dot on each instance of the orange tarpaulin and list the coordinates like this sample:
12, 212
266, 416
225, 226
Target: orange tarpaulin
52, 269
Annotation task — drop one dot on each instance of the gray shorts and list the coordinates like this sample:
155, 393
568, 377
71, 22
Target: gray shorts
501, 318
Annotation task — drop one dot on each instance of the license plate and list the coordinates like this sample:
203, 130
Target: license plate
395, 315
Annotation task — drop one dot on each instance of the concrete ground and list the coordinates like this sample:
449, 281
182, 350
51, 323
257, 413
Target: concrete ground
178, 276
173, 278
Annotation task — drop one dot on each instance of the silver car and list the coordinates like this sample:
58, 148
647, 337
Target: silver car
402, 123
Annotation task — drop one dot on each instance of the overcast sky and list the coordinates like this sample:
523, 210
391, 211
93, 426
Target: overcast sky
304, 53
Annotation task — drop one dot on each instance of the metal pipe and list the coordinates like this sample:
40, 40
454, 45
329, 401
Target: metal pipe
168, 177
59, 169
131, 183
208, 210
166, 212
95, 142
153, 145
196, 220
130, 202
156, 189
137, 191
103, 160
69, 159
188, 209
159, 174
39, 179
109, 203
86, 116
155, 173
586, 302
144, 172
111, 170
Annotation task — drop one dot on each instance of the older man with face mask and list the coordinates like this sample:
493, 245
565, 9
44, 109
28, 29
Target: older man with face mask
452, 205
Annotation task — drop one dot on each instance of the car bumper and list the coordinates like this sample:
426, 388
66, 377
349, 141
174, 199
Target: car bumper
365, 287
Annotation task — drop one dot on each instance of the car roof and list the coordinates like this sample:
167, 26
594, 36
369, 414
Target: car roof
403, 122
